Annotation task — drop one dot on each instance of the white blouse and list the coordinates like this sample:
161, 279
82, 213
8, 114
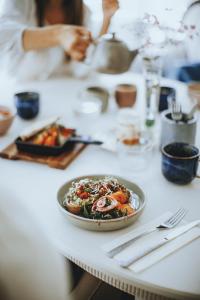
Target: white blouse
15, 17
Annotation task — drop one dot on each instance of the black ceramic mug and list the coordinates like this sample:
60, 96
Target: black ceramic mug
180, 162
27, 104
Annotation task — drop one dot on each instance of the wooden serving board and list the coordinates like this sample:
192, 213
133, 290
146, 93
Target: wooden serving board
58, 162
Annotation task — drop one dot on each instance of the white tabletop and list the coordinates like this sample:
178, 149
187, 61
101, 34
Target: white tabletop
178, 275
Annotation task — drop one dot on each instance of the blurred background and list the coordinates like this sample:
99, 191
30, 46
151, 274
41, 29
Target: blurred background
169, 12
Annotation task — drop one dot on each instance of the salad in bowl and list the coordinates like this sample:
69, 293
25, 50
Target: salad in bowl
100, 199
101, 202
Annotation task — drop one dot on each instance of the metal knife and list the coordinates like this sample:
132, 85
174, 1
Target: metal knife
179, 231
123, 245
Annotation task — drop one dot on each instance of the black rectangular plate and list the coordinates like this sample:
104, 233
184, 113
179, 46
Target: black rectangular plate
42, 149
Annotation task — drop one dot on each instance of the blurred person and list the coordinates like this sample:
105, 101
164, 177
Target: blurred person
192, 22
185, 60
180, 61
30, 267
38, 36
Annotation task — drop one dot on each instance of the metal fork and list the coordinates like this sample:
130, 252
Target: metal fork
176, 111
167, 224
173, 220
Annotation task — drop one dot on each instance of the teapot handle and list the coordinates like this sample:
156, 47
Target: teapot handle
90, 53
113, 35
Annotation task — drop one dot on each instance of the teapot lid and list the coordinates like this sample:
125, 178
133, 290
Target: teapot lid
111, 37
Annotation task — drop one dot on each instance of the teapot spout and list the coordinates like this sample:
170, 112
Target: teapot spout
133, 54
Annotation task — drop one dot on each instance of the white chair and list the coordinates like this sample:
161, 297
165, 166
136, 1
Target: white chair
30, 267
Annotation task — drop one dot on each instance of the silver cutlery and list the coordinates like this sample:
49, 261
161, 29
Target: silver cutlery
167, 224
157, 244
176, 112
190, 115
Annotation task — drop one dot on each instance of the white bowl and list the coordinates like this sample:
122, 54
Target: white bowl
6, 121
102, 225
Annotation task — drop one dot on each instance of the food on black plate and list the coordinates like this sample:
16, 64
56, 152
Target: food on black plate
54, 135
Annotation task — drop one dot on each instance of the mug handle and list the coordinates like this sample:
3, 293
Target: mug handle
198, 176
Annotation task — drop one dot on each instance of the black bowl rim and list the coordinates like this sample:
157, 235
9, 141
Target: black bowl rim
27, 93
179, 157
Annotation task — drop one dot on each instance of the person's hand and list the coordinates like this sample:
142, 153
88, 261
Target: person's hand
75, 41
109, 7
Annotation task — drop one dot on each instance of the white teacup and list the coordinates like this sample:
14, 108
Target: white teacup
98, 93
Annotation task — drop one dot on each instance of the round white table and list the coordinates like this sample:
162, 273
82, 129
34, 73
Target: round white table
175, 277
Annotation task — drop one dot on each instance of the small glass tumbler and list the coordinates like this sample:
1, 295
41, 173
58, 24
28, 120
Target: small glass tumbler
134, 158
128, 126
87, 109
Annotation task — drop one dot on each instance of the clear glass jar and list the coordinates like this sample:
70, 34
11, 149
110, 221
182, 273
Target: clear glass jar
128, 126
135, 158
87, 109
152, 68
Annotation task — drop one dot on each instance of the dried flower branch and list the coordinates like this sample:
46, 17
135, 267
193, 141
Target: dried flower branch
142, 32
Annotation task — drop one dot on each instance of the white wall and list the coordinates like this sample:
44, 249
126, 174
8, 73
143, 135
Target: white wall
167, 11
